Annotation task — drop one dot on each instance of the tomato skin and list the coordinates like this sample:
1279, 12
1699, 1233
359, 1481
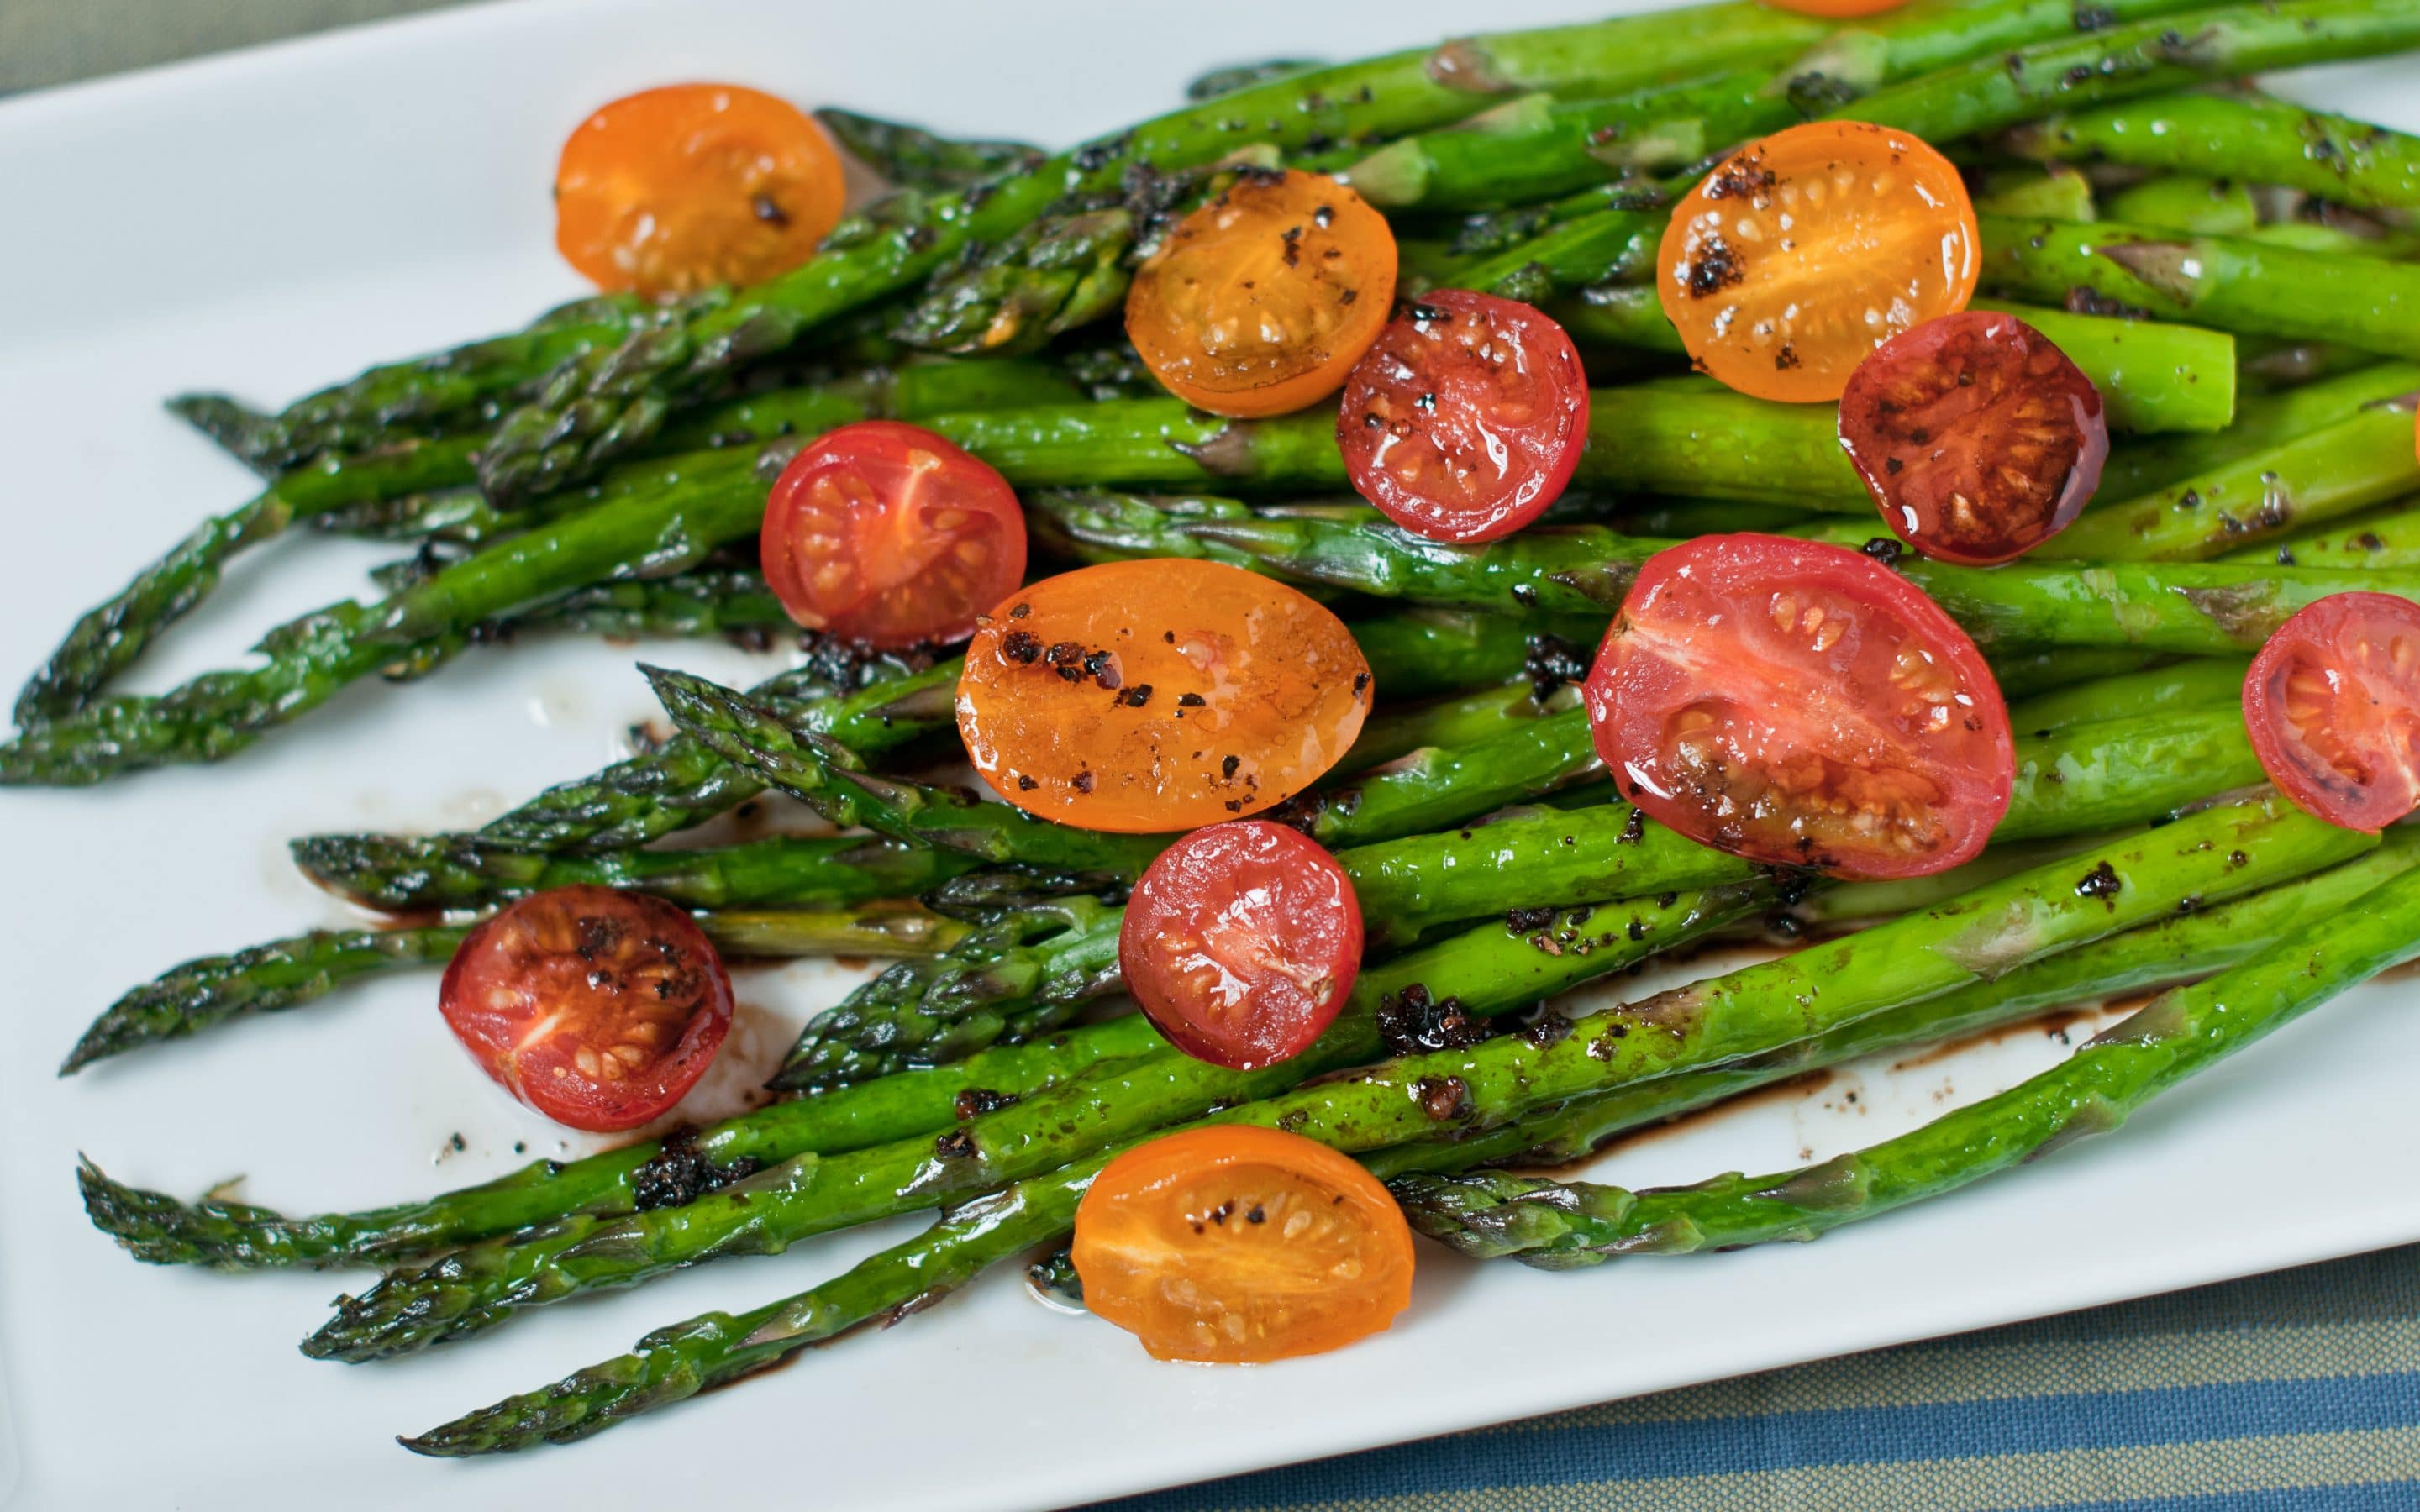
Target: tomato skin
885, 534
1976, 437
1464, 421
1234, 1245
675, 189
2332, 706
1800, 704
1159, 694
1241, 942
597, 1008
1802, 251
1260, 302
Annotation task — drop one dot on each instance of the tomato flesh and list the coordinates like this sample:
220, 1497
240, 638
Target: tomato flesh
1802, 252
1233, 1244
1260, 302
885, 534
1159, 694
1241, 942
1800, 704
2333, 705
675, 189
1975, 434
1466, 418
599, 1009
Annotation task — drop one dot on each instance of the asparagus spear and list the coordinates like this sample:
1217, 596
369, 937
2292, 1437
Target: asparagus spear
601, 402
2185, 609
2231, 284
2262, 421
2024, 671
2152, 377
311, 658
911, 156
673, 1364
2280, 217
1562, 1225
289, 973
482, 1285
2333, 471
376, 486
2384, 538
2244, 137
2200, 683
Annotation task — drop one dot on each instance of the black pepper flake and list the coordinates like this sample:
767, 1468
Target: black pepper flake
1021, 646
1522, 921
1411, 1023
1443, 1098
2101, 882
1190, 701
1025, 783
975, 1101
955, 1144
1020, 611
1136, 696
1082, 782
766, 209
1227, 766
1631, 827
1361, 683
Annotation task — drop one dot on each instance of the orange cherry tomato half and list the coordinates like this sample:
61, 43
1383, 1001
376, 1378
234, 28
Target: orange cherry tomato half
675, 189
1802, 251
2333, 705
1159, 694
1836, 10
1801, 705
1260, 302
1976, 437
1466, 418
885, 534
599, 1009
1241, 942
1235, 1245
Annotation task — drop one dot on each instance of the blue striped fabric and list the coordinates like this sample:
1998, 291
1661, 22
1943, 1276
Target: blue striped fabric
2293, 1391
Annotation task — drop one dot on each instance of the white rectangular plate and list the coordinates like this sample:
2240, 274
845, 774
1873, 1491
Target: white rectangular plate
269, 222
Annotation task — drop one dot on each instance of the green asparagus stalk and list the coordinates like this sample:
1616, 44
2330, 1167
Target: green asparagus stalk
673, 1364
2200, 683
2152, 377
289, 973
2186, 1030
787, 872
2243, 138
375, 485
310, 659
2283, 218
2359, 461
2183, 609
609, 398
2023, 671
909, 157
2263, 423
2243, 287
2055, 193
654, 1173
2384, 538
483, 1285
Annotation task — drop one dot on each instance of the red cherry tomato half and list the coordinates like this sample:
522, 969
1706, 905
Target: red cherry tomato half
600, 1009
1801, 705
1241, 943
885, 534
1466, 418
1976, 437
2333, 705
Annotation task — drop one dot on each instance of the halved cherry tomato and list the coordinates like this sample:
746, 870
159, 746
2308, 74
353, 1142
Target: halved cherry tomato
671, 191
1235, 1245
1464, 420
1976, 437
1161, 694
1241, 942
885, 534
1802, 252
600, 1009
1262, 300
1801, 705
2333, 705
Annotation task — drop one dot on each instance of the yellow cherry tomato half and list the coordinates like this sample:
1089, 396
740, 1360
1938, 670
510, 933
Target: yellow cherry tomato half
1804, 251
1235, 1245
1262, 300
675, 189
1159, 694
